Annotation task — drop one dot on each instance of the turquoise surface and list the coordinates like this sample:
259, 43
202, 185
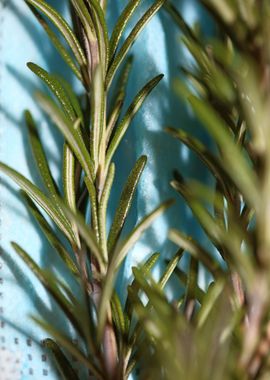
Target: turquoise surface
156, 51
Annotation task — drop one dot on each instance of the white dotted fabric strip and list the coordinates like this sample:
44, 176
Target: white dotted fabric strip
10, 365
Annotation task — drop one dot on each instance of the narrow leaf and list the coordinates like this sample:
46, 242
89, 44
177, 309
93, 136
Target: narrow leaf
213, 163
50, 235
40, 157
55, 87
131, 112
119, 96
45, 203
236, 165
63, 364
131, 39
118, 315
49, 286
134, 236
102, 210
197, 251
121, 25
67, 343
62, 26
170, 268
125, 202
70, 133
57, 44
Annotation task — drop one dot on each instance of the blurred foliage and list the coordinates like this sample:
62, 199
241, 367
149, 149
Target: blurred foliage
221, 331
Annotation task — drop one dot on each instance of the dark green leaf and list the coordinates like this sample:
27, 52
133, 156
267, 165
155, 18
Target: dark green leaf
131, 39
51, 287
48, 205
70, 133
62, 26
51, 236
125, 202
131, 112
191, 246
57, 44
63, 364
121, 25
236, 165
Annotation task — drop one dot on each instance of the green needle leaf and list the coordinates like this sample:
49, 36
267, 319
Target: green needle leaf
88, 236
118, 315
198, 252
49, 284
121, 25
241, 173
55, 87
45, 203
57, 44
40, 158
70, 133
119, 254
67, 343
213, 163
119, 97
131, 112
62, 363
171, 268
125, 202
98, 120
131, 39
62, 26
103, 210
50, 235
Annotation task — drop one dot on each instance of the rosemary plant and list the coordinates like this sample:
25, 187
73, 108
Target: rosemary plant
218, 331
93, 128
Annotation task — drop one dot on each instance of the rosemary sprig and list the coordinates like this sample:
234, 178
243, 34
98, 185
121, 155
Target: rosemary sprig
92, 135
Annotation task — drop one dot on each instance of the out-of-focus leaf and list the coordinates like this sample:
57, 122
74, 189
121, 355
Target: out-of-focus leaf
172, 264
191, 246
134, 286
63, 364
236, 165
213, 163
67, 343
118, 315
